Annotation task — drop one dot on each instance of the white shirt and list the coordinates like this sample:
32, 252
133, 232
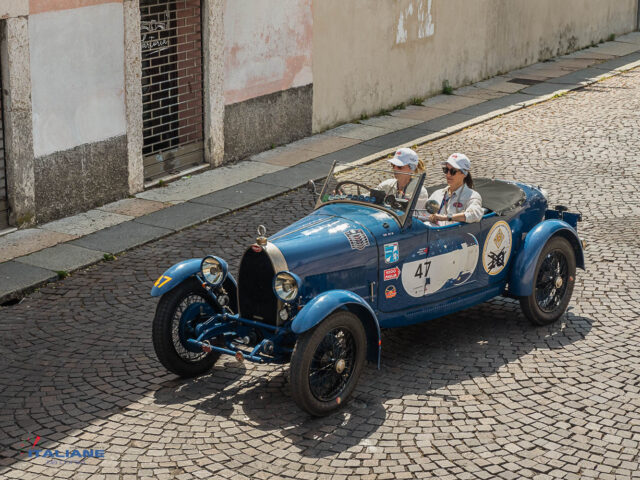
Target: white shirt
464, 199
390, 186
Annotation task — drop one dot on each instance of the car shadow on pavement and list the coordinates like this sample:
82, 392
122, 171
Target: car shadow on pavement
424, 367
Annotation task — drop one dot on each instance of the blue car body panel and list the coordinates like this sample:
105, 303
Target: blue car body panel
175, 276
522, 273
411, 274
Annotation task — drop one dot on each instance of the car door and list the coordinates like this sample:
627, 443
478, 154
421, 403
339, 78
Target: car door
431, 264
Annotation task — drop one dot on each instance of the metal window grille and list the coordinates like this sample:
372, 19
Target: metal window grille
4, 203
172, 106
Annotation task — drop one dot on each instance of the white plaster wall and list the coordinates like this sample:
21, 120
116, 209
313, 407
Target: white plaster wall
13, 8
374, 54
77, 77
267, 47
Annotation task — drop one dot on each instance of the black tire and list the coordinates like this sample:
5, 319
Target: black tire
321, 379
171, 351
554, 279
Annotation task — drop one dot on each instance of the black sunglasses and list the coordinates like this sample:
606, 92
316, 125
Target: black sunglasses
452, 171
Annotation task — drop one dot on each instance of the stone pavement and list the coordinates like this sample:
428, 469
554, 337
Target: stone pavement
33, 257
480, 394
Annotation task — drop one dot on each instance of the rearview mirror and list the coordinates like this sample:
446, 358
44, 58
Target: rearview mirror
432, 206
311, 186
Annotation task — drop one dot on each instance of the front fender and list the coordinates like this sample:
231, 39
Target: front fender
521, 277
181, 271
326, 303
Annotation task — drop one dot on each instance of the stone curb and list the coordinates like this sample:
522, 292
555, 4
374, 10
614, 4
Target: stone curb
144, 229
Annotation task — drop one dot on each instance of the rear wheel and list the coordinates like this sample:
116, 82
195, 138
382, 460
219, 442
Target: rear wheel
327, 362
178, 312
554, 280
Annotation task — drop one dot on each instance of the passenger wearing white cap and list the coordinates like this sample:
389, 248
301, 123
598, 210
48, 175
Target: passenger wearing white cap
405, 163
458, 201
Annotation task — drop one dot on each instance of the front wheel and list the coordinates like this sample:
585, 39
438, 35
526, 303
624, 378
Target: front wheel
554, 279
178, 312
327, 362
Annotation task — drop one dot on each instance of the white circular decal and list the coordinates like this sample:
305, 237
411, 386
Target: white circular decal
497, 248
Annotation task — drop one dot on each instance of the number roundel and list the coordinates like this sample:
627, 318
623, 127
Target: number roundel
497, 248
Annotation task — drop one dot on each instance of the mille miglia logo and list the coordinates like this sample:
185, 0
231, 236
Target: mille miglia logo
30, 448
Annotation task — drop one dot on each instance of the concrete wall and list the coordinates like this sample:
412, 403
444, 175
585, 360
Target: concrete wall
374, 54
77, 88
267, 74
77, 76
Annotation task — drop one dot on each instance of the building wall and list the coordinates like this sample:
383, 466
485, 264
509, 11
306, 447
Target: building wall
374, 54
77, 88
268, 74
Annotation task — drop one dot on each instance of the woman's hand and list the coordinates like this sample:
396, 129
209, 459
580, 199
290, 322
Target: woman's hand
458, 217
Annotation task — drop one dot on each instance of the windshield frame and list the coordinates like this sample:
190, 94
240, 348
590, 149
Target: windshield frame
402, 220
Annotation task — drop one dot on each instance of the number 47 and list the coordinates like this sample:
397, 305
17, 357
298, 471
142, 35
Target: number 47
423, 270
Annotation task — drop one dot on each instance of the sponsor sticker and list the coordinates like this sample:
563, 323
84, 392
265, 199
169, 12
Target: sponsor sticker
357, 239
391, 252
390, 291
391, 273
497, 248
423, 251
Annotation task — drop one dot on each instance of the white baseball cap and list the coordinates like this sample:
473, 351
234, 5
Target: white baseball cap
404, 156
459, 161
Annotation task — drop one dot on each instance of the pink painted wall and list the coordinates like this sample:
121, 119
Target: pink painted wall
267, 47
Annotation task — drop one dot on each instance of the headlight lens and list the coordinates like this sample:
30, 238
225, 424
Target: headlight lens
286, 286
214, 270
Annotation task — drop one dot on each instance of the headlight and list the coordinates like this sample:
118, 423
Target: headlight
286, 286
214, 270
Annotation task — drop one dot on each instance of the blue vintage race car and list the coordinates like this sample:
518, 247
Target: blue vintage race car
317, 293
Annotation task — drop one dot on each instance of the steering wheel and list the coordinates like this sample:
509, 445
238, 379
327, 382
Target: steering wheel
350, 182
396, 203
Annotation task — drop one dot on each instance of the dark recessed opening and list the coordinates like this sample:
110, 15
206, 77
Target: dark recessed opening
525, 81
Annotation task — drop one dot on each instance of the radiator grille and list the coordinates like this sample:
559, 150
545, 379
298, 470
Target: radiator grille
257, 300
172, 88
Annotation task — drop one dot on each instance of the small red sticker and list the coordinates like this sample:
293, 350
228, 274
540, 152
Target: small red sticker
256, 248
391, 273
390, 291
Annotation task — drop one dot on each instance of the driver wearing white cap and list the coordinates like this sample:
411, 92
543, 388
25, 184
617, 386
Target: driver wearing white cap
458, 201
405, 163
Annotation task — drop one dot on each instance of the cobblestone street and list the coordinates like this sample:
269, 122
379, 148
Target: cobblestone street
480, 394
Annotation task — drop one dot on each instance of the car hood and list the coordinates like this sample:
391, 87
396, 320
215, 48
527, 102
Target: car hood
334, 243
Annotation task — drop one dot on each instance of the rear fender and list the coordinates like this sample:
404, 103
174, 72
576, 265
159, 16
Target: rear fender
326, 303
181, 271
523, 270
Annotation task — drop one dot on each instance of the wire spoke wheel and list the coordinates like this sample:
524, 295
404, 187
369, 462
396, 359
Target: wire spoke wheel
332, 364
189, 312
554, 279
327, 362
178, 312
